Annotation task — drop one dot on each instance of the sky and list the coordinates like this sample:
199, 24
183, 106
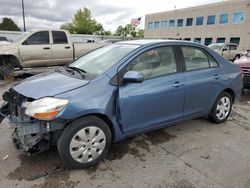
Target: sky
110, 13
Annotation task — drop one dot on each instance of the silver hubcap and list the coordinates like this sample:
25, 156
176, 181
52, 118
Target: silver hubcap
87, 144
223, 108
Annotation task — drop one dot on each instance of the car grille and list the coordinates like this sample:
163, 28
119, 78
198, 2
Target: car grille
246, 71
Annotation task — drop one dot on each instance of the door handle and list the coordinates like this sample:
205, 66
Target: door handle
177, 84
67, 47
46, 48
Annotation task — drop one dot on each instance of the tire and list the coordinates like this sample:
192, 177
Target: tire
6, 70
76, 147
221, 108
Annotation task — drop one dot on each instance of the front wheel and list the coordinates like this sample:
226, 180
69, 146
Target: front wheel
222, 108
85, 142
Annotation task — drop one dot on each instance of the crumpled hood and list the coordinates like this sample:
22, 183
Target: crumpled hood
48, 84
8, 48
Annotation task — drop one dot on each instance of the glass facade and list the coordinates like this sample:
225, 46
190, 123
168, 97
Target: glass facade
211, 20
221, 40
180, 23
164, 24
189, 22
235, 40
199, 20
239, 17
157, 25
208, 41
171, 23
224, 18
150, 25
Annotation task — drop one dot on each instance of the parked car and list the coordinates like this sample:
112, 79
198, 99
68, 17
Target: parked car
244, 63
118, 91
228, 50
41, 48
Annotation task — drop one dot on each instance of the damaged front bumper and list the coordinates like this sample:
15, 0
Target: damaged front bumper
30, 135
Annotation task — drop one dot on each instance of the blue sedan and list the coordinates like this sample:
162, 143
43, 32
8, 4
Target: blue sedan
118, 91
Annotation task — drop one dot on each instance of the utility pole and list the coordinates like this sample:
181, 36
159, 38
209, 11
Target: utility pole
24, 27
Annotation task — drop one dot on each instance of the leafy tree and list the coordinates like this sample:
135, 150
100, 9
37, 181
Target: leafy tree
120, 31
9, 25
83, 23
128, 30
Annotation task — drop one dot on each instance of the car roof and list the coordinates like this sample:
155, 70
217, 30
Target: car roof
155, 41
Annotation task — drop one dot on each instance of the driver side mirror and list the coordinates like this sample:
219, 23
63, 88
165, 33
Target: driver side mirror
133, 77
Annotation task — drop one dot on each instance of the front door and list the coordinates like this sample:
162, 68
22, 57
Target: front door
159, 98
36, 50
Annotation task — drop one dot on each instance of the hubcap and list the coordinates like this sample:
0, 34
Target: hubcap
223, 108
87, 144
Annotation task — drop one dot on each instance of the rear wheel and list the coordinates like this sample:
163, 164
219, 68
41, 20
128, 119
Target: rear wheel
6, 70
222, 108
85, 142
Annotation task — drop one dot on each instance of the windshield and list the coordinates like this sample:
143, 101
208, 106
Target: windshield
20, 37
215, 46
102, 59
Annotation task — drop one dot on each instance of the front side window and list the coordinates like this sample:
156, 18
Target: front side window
99, 61
197, 59
180, 23
155, 62
157, 25
150, 25
38, 38
211, 20
199, 20
59, 37
239, 17
171, 23
224, 18
189, 22
233, 47
164, 24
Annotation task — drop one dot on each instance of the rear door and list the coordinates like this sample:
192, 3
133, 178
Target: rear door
36, 50
62, 51
159, 98
203, 76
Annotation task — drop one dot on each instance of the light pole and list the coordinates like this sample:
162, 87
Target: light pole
24, 27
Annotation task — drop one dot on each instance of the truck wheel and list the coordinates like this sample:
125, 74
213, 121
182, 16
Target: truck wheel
84, 142
222, 108
6, 70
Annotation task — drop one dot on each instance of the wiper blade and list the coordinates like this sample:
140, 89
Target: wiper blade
77, 69
72, 69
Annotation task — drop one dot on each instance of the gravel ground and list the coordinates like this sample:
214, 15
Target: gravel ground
192, 154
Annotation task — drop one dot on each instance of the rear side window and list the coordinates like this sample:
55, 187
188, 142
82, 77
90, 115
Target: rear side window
37, 38
232, 47
197, 59
155, 62
59, 37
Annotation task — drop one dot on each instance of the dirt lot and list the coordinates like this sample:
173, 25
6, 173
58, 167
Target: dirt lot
192, 154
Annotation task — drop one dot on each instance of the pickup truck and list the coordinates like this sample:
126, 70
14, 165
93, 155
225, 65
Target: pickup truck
228, 50
39, 48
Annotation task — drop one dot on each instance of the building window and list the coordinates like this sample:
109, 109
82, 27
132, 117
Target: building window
197, 40
163, 24
180, 23
224, 18
187, 39
189, 22
157, 25
208, 41
239, 17
211, 20
235, 40
199, 20
150, 25
171, 23
221, 40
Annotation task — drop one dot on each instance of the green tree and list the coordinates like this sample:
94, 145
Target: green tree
9, 25
128, 30
83, 23
119, 31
